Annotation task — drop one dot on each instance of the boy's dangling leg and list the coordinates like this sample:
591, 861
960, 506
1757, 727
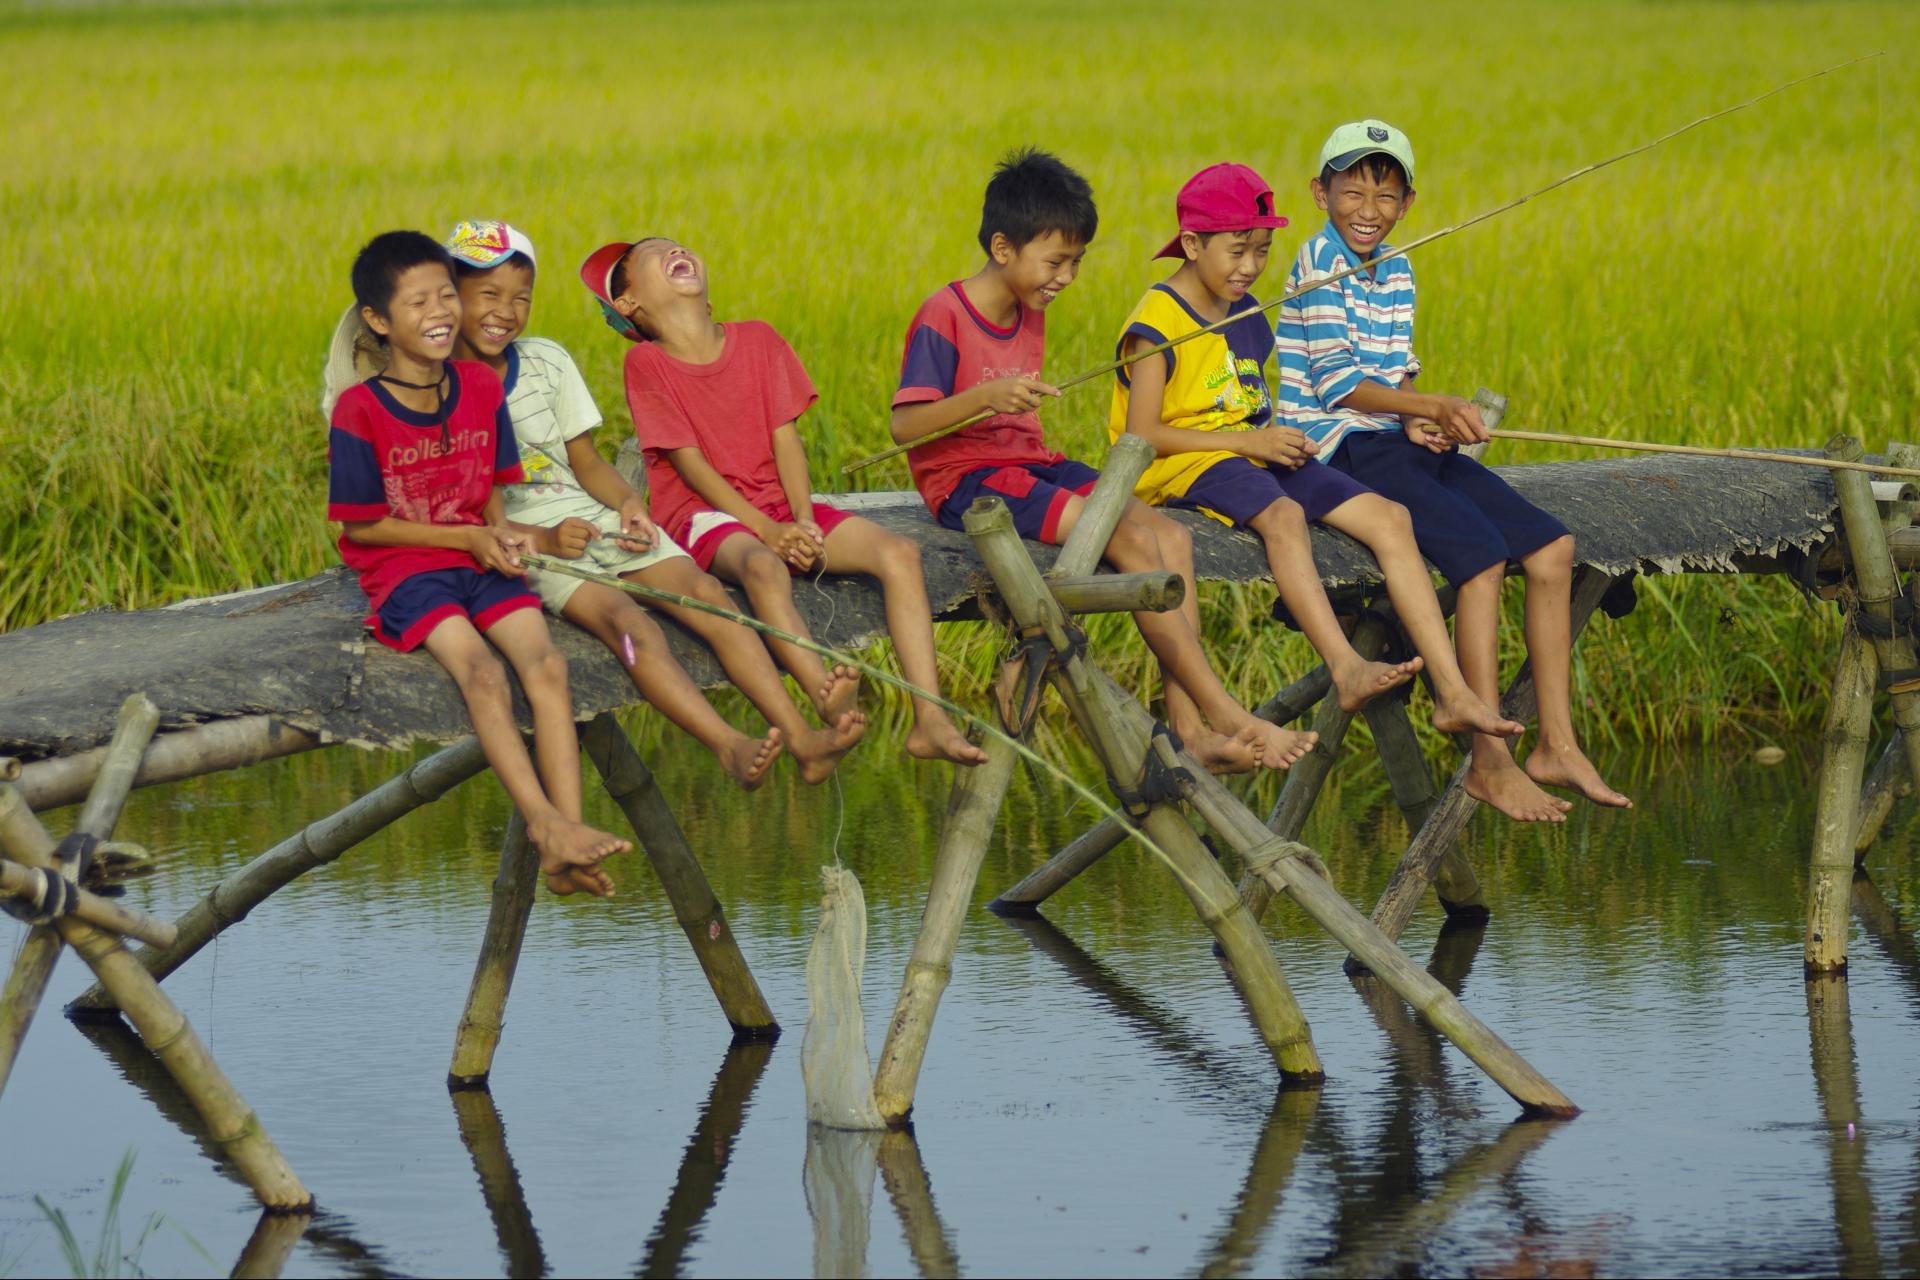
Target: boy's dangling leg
1556, 760
1493, 777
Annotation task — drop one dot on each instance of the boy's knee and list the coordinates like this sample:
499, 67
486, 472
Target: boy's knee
1133, 543
1397, 520
765, 572
1282, 518
710, 590
898, 557
479, 675
1555, 560
547, 669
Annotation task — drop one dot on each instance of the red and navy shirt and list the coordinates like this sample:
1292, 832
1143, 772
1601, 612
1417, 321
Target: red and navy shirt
385, 459
950, 348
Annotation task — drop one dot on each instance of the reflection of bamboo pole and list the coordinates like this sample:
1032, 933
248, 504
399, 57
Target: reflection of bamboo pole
189, 753
485, 1139
479, 1032
1095, 709
1888, 933
1270, 1171
905, 1178
1284, 863
33, 967
703, 1166
234, 1127
978, 794
315, 845
1831, 1040
1830, 875
633, 788
266, 1252
102, 913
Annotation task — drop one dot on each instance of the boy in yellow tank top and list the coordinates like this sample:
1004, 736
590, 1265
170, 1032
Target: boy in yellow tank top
1205, 408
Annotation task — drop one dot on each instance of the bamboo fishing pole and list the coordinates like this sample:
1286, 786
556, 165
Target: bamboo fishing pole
1114, 366
1702, 451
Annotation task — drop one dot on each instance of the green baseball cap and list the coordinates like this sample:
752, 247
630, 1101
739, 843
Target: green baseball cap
1350, 142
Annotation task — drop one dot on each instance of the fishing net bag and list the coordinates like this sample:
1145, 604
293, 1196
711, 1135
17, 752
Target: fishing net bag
834, 1064
354, 355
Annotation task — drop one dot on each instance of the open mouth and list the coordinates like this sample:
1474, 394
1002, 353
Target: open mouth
495, 332
438, 334
1364, 230
1045, 296
680, 267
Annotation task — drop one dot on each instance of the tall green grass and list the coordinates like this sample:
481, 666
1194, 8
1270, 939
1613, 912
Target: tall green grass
185, 187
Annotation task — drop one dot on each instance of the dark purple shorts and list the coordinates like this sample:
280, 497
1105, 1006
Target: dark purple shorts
1036, 494
1465, 518
1239, 489
428, 599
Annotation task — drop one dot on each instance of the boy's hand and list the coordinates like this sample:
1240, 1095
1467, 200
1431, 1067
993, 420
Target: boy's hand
497, 548
1284, 446
1426, 433
1015, 395
637, 530
1459, 419
813, 530
791, 543
568, 540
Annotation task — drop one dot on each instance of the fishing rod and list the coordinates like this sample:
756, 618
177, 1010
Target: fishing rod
1701, 451
861, 464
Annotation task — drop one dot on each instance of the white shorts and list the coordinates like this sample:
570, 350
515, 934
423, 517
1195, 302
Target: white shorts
604, 556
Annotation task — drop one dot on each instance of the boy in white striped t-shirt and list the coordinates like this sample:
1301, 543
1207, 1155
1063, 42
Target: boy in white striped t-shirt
1347, 369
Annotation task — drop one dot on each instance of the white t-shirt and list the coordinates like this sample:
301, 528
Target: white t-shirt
549, 403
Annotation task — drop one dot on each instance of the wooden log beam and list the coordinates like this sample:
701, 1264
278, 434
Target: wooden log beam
232, 1124
315, 845
102, 913
189, 753
33, 966
1843, 760
478, 1034
633, 788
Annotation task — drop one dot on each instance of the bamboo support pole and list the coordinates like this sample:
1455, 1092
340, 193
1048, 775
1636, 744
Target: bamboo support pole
1269, 1173
233, 1126
189, 753
703, 1165
1878, 584
315, 845
265, 1255
1835, 1079
1408, 774
102, 913
903, 1174
485, 1139
33, 966
972, 810
1437, 836
1886, 784
1843, 759
478, 1034
1095, 708
1093, 844
701, 918
1285, 866
1120, 592
1298, 698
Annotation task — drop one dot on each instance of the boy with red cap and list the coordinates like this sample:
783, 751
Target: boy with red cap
417, 456
1347, 369
976, 345
1203, 405
575, 506
716, 407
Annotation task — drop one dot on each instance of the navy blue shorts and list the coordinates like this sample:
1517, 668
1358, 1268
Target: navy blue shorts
1238, 489
426, 600
1465, 518
1035, 493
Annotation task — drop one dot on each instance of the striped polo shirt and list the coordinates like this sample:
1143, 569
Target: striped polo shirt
1330, 339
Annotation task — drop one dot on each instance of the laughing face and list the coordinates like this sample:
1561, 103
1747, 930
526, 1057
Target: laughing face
1229, 262
494, 306
1364, 203
423, 316
1038, 271
657, 275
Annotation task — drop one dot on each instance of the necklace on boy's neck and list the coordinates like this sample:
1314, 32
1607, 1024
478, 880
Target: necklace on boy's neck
439, 388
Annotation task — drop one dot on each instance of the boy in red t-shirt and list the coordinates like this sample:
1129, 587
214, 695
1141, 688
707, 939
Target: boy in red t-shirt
416, 456
976, 345
715, 407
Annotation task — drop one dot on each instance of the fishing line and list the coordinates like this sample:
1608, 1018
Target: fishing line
1320, 282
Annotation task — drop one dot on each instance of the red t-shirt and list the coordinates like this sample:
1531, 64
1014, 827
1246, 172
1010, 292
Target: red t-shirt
728, 410
384, 459
950, 348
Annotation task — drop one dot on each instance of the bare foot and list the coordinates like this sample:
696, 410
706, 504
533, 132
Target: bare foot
1513, 793
1570, 768
935, 737
839, 695
1464, 712
1362, 681
748, 759
1219, 753
818, 752
571, 854
1275, 747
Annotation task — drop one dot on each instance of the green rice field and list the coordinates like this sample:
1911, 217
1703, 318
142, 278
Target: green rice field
184, 187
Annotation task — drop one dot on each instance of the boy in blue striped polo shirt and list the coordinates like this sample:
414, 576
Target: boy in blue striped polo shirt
1347, 369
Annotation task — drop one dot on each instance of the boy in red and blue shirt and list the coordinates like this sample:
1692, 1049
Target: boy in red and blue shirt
416, 456
976, 346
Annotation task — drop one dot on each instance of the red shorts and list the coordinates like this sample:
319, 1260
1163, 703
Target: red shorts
706, 529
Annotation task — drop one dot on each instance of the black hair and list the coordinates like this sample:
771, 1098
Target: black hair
1378, 166
461, 270
385, 258
1031, 193
617, 278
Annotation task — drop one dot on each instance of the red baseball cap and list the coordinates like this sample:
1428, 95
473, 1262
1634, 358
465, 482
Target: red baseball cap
1223, 197
597, 274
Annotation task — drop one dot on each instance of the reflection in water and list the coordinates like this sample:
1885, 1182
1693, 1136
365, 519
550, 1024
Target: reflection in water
1830, 1031
271, 1244
912, 1195
703, 1166
485, 1138
838, 1177
1274, 1157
